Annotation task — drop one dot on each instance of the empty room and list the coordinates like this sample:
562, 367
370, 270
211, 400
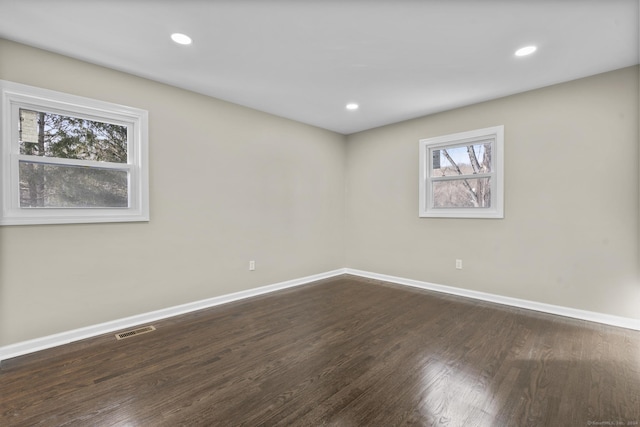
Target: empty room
345, 213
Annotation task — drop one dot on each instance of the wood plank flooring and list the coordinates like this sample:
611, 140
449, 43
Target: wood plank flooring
341, 352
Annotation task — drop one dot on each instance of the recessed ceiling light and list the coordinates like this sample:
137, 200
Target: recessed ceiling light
352, 106
527, 50
181, 38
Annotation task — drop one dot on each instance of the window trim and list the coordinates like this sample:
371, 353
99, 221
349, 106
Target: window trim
16, 96
496, 135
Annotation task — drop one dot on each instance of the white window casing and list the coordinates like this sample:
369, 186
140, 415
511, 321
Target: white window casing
448, 192
17, 97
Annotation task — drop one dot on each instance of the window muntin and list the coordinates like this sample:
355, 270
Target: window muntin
68, 159
461, 175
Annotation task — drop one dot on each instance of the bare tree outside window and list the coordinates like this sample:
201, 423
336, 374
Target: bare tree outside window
462, 161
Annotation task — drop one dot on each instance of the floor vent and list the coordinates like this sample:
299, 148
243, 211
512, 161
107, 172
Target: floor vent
139, 331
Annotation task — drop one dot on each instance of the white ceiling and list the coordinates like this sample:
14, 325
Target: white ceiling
306, 59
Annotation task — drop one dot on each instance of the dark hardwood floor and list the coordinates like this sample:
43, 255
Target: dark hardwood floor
342, 352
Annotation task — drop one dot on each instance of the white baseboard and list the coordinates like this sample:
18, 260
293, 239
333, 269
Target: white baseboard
607, 319
30, 346
37, 344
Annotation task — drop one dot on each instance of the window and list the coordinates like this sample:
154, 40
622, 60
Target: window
461, 174
68, 159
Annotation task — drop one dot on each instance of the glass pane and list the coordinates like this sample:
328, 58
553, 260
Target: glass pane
465, 160
56, 186
55, 135
462, 193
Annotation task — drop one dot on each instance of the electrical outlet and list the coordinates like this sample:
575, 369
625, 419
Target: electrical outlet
459, 264
252, 265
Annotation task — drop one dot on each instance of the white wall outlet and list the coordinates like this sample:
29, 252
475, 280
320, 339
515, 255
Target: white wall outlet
252, 265
459, 264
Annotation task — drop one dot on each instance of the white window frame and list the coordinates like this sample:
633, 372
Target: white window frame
16, 96
496, 135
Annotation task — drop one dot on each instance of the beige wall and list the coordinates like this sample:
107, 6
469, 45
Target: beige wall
228, 184
570, 232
